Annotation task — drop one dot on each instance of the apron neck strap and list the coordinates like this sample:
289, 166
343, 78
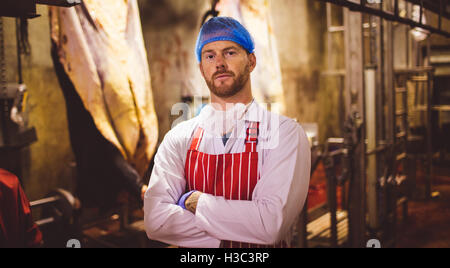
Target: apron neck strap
251, 139
197, 139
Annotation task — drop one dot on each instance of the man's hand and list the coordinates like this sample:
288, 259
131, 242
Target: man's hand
191, 202
143, 190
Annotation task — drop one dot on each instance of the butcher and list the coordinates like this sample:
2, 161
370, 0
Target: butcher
237, 175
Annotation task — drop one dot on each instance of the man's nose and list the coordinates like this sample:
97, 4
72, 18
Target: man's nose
220, 63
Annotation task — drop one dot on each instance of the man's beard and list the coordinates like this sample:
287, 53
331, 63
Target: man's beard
225, 91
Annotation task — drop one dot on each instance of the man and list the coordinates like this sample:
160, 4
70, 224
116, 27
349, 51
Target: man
236, 175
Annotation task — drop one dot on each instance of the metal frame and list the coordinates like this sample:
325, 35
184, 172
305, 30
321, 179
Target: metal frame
427, 108
362, 6
354, 142
355, 103
436, 6
379, 157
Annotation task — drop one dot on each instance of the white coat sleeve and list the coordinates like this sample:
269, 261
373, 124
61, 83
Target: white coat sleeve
277, 200
164, 220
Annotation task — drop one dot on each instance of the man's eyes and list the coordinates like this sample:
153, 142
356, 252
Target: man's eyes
227, 53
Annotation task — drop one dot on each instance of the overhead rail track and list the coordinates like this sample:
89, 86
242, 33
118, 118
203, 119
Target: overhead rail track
375, 7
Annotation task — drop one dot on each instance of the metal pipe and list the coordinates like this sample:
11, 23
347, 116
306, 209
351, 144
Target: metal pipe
329, 41
441, 7
429, 126
45, 201
421, 11
371, 126
355, 128
19, 51
46, 221
60, 3
396, 9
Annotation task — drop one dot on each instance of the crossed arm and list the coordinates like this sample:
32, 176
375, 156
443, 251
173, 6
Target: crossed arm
277, 200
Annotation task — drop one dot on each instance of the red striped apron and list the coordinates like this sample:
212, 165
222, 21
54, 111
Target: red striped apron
232, 176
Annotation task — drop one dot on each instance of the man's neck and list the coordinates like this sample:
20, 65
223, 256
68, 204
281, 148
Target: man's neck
224, 103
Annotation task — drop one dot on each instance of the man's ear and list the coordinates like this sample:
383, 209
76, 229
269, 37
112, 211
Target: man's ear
201, 69
252, 59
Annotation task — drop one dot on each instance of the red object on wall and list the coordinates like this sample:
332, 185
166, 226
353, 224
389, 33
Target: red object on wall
17, 229
317, 194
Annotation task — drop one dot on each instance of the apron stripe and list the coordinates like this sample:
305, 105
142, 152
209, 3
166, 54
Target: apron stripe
254, 172
206, 185
227, 178
240, 178
192, 167
222, 179
201, 181
249, 196
232, 178
215, 174
244, 177
189, 176
195, 171
219, 182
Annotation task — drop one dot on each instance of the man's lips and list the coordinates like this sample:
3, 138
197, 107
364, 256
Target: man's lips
223, 76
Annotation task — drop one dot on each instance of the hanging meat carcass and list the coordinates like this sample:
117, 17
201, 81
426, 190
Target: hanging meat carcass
101, 63
101, 46
255, 16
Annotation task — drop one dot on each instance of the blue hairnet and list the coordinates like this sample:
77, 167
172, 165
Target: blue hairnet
223, 29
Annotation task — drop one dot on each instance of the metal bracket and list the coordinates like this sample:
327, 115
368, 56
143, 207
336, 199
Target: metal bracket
27, 8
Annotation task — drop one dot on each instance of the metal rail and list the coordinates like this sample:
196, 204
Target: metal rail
395, 16
436, 6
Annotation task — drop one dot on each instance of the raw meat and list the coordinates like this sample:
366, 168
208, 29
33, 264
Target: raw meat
255, 16
101, 46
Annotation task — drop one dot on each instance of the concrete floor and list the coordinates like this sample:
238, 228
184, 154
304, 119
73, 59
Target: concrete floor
428, 225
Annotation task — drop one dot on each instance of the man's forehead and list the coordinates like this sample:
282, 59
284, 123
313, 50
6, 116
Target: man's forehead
221, 45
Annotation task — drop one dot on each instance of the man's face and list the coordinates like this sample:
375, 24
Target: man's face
226, 67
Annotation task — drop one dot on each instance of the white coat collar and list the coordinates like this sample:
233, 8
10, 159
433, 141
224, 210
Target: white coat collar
255, 113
